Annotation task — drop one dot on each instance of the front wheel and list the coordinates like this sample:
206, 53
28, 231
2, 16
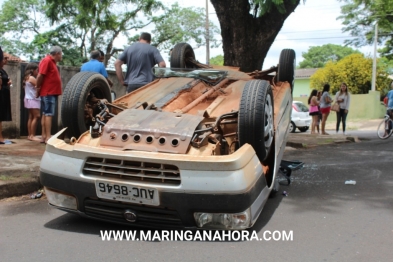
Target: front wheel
256, 123
78, 107
385, 128
303, 129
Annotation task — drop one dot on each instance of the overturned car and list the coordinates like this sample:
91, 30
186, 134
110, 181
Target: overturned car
199, 147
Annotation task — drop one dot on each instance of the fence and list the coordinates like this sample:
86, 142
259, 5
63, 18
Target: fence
18, 126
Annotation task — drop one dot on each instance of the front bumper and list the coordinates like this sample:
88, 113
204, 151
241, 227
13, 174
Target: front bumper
216, 184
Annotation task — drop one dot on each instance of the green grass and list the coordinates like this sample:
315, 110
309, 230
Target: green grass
5, 178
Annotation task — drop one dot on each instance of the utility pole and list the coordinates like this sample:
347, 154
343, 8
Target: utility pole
207, 35
375, 58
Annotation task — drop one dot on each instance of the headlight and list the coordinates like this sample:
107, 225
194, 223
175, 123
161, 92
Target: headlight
240, 220
60, 200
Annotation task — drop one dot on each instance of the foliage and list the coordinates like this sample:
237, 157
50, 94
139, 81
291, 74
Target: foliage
179, 24
318, 56
261, 7
217, 60
359, 18
355, 70
100, 22
79, 26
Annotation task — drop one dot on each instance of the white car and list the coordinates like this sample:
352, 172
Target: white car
195, 148
300, 117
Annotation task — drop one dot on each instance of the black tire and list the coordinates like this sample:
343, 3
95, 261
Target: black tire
179, 56
74, 100
256, 113
385, 128
286, 66
292, 127
303, 129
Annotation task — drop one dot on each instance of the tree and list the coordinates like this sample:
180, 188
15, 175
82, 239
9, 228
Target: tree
217, 60
355, 70
359, 18
179, 24
100, 22
21, 19
318, 56
249, 27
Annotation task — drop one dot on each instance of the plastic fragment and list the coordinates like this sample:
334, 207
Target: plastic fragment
350, 182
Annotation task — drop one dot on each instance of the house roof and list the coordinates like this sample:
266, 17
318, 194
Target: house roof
12, 58
305, 73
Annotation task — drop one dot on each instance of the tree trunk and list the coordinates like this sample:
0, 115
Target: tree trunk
247, 39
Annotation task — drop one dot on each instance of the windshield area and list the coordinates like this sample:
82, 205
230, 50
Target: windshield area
301, 107
207, 75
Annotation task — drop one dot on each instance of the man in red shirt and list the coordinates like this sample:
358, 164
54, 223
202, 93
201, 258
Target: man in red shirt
49, 88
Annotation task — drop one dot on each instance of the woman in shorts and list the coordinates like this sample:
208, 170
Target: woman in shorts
32, 103
314, 110
325, 105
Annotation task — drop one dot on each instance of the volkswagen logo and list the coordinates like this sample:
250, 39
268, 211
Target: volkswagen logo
130, 216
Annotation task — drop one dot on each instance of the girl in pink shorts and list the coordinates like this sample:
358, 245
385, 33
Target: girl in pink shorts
32, 103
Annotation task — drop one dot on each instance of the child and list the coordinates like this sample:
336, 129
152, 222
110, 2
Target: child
32, 103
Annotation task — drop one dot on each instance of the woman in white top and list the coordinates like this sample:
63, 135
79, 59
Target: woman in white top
325, 104
343, 99
32, 103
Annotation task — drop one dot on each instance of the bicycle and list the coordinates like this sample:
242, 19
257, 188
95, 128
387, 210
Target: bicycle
385, 128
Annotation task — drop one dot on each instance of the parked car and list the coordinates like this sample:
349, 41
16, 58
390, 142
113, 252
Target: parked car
300, 117
199, 147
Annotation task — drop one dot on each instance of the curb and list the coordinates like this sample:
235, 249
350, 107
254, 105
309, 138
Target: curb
20, 187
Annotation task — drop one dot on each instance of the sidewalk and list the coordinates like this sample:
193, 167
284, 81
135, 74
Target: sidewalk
20, 161
305, 140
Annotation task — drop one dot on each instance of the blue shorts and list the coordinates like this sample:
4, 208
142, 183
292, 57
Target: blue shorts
48, 104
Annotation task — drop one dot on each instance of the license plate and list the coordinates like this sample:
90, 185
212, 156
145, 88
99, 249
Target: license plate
127, 193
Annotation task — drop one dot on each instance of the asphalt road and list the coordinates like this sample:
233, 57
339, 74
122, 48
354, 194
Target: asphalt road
330, 221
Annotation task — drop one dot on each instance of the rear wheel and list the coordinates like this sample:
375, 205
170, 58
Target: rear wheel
78, 101
292, 127
255, 123
180, 54
286, 66
385, 128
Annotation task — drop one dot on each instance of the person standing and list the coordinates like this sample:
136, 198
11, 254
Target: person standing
102, 56
5, 99
343, 99
49, 88
314, 109
94, 65
325, 105
140, 57
319, 94
32, 103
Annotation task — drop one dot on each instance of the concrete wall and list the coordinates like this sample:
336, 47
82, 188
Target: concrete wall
14, 70
365, 106
302, 88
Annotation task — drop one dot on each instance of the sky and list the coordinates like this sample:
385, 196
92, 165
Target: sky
314, 23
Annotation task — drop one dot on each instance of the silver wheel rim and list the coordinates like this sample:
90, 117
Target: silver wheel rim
269, 125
